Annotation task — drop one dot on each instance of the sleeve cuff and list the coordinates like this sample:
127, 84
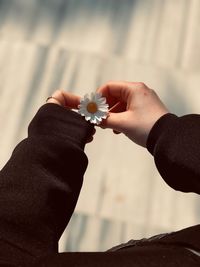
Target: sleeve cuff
55, 120
157, 130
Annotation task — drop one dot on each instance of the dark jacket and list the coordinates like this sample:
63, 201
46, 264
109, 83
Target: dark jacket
41, 182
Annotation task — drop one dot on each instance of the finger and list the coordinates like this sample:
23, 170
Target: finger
59, 97
94, 131
116, 132
90, 138
70, 100
53, 100
115, 121
65, 99
115, 91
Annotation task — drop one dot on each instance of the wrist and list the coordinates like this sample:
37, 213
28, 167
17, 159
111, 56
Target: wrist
156, 132
63, 123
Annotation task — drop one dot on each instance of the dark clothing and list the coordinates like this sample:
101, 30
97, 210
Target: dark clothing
175, 144
147, 256
41, 182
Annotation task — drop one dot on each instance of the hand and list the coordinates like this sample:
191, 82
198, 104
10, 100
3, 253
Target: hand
137, 109
65, 99
69, 101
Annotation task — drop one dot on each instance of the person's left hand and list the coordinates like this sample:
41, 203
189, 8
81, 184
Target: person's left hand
65, 99
68, 101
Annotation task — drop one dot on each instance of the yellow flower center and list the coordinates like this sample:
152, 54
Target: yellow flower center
92, 107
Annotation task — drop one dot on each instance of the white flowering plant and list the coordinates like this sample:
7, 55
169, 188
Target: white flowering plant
93, 107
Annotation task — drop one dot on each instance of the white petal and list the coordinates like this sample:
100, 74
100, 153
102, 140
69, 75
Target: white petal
88, 118
102, 100
104, 109
103, 105
82, 111
98, 95
93, 120
86, 96
102, 113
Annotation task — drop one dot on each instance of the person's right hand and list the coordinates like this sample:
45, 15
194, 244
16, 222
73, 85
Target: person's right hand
137, 110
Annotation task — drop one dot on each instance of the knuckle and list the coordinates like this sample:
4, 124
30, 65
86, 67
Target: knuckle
110, 83
57, 92
141, 85
152, 90
143, 89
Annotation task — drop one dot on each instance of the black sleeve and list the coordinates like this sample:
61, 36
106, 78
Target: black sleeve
175, 144
40, 184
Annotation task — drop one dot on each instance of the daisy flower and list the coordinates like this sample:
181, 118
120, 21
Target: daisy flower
93, 108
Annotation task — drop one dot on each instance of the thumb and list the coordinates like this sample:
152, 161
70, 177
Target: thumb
114, 121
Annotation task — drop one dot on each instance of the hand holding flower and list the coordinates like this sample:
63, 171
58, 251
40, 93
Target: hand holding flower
134, 109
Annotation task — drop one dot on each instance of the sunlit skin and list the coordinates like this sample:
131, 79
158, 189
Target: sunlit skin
134, 108
138, 109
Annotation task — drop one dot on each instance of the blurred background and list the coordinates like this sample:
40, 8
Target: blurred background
78, 45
